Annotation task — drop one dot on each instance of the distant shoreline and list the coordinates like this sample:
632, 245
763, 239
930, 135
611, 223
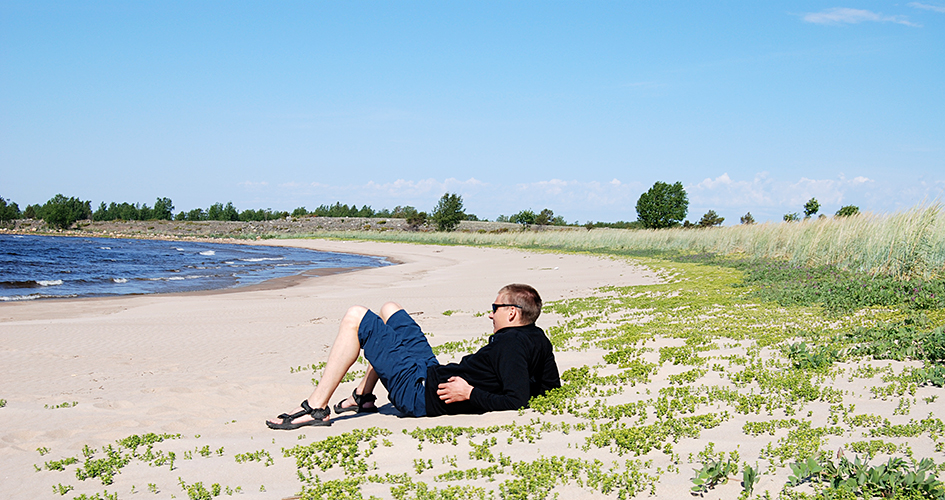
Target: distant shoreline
242, 230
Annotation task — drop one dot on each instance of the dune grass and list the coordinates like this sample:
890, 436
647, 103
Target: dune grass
904, 245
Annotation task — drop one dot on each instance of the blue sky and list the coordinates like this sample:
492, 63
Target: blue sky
574, 106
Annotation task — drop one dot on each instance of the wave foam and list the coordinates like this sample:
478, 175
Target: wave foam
208, 252
34, 296
49, 282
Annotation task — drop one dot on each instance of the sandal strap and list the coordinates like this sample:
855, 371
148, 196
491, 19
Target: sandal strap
316, 413
306, 410
360, 399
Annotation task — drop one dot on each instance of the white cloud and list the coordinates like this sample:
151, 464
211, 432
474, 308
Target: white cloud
253, 185
574, 200
763, 192
843, 15
925, 6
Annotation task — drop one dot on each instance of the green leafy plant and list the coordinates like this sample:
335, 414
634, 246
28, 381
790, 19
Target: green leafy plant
895, 478
256, 456
61, 405
815, 359
712, 473
750, 476
62, 489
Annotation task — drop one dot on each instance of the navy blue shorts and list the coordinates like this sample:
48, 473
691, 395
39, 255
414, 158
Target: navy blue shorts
400, 354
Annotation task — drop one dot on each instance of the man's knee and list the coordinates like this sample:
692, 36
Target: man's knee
352, 318
388, 310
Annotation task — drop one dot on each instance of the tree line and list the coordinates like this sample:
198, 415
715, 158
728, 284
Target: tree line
665, 206
63, 212
662, 206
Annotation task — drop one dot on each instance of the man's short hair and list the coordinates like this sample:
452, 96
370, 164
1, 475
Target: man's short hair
526, 298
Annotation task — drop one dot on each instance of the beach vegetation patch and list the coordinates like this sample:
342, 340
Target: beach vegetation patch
61, 405
711, 474
896, 478
344, 450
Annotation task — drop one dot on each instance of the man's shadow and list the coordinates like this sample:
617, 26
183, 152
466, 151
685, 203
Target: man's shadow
385, 409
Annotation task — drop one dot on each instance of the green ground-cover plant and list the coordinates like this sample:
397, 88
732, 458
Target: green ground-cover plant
98, 496
726, 350
912, 338
711, 474
894, 479
256, 456
345, 450
61, 405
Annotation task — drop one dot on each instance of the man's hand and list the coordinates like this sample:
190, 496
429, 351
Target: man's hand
454, 390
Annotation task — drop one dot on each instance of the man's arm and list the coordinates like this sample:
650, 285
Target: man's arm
508, 363
454, 390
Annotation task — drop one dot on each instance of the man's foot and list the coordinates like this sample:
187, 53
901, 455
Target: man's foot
305, 415
357, 403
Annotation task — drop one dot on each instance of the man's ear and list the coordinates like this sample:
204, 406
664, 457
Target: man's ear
516, 315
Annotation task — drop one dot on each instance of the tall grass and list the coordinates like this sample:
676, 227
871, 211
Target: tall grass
909, 244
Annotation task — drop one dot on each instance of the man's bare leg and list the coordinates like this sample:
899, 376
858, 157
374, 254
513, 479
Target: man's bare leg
369, 381
344, 352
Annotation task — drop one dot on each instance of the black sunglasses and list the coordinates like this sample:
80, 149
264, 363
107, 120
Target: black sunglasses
495, 307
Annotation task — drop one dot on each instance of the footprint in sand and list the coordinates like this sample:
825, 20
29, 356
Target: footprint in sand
113, 405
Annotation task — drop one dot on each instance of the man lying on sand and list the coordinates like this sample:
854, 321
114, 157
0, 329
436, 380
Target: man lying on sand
515, 365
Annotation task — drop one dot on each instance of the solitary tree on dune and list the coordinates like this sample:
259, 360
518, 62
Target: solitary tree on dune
448, 212
664, 205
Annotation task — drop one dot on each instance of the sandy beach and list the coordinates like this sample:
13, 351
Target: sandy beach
203, 371
213, 366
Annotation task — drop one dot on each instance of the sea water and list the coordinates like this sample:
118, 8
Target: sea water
38, 267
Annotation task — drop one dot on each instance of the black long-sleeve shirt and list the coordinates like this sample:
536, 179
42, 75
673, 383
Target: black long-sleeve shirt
516, 364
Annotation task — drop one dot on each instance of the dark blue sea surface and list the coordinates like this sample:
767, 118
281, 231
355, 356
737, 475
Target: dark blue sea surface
37, 267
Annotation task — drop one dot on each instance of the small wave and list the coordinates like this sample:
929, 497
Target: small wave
172, 278
179, 249
48, 282
104, 248
19, 284
208, 252
12, 298
34, 296
262, 259
120, 280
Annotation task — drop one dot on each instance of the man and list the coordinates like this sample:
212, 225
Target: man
516, 364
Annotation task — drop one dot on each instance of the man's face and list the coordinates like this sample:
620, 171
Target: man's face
504, 315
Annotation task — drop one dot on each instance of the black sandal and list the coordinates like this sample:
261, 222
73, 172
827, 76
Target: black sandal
360, 401
318, 415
